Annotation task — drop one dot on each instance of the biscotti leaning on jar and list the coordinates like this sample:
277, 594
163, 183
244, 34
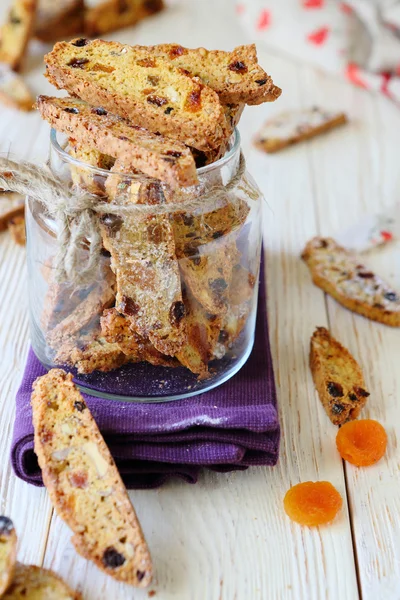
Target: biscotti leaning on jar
146, 132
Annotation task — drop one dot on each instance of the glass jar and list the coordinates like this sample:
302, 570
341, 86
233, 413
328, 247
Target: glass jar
170, 307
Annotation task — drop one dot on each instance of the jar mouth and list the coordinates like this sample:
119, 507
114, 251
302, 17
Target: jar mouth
218, 164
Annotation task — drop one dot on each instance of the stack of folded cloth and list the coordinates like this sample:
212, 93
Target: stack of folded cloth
229, 428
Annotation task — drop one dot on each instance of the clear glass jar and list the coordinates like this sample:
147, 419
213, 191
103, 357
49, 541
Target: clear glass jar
171, 309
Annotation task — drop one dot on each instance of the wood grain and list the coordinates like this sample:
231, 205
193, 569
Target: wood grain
227, 537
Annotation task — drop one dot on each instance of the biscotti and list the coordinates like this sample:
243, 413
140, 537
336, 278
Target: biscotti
83, 482
13, 90
236, 76
8, 553
341, 274
34, 583
16, 226
60, 19
94, 127
294, 127
140, 87
98, 355
85, 178
111, 15
116, 330
338, 378
142, 249
16, 32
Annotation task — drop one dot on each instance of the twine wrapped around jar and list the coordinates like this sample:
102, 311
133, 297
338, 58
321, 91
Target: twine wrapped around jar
76, 212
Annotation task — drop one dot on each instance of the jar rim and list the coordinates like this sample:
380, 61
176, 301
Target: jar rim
66, 157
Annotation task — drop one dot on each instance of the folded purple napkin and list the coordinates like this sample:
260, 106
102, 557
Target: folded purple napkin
229, 428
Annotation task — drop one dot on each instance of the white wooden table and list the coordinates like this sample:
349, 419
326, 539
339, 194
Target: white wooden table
228, 537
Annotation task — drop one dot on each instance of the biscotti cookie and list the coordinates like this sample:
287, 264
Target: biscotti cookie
60, 19
16, 32
98, 355
236, 76
338, 378
16, 226
83, 482
94, 127
142, 249
13, 90
84, 178
208, 273
8, 553
140, 87
341, 274
293, 127
34, 583
11, 205
116, 330
103, 16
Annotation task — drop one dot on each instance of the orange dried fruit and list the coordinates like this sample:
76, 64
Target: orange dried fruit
312, 503
362, 443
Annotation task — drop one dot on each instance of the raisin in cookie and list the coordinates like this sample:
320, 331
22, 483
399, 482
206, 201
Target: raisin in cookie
337, 377
96, 128
341, 274
140, 87
8, 553
83, 481
34, 583
293, 127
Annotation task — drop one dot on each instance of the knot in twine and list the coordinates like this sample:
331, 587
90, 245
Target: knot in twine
76, 212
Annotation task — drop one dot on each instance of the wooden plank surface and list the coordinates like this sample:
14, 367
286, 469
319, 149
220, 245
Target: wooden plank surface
228, 537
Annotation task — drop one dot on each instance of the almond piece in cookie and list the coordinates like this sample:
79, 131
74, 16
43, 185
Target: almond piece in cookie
293, 127
342, 275
16, 32
94, 127
337, 377
111, 15
140, 87
8, 553
83, 482
34, 583
236, 76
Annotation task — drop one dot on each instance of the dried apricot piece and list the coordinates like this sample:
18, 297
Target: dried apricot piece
361, 443
312, 503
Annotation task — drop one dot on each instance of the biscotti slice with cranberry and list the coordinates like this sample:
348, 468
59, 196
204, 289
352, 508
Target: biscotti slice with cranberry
34, 583
16, 32
338, 378
8, 553
342, 275
143, 258
236, 76
111, 15
93, 126
83, 482
145, 89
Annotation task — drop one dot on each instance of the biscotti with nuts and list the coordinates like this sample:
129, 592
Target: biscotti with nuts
337, 377
341, 275
140, 87
16, 32
143, 258
34, 583
156, 156
8, 553
236, 76
83, 481
85, 178
293, 127
13, 90
111, 15
98, 355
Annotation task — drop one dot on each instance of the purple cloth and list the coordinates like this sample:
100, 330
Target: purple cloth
229, 428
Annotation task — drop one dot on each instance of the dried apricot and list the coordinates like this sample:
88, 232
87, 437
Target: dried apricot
312, 503
362, 443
